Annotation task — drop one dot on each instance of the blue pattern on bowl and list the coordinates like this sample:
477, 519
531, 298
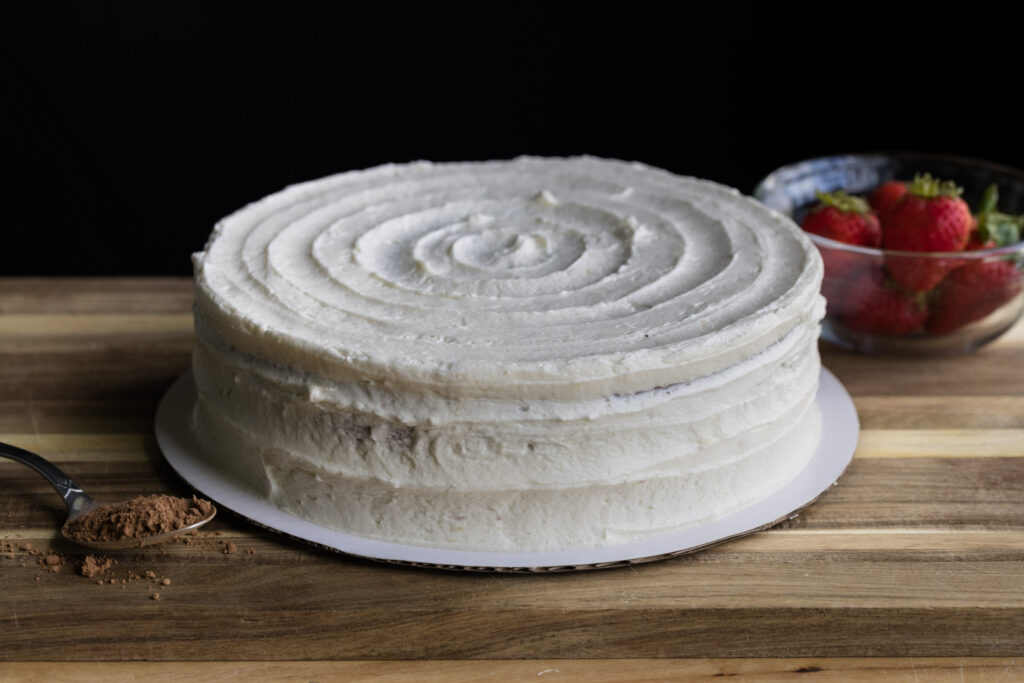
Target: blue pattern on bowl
790, 189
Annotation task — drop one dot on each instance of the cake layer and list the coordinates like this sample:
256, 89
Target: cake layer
520, 519
497, 444
573, 278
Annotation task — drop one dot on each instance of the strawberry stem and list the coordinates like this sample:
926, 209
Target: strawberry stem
990, 199
842, 201
993, 226
924, 185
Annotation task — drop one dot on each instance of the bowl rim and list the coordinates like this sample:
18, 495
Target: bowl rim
930, 156
977, 254
903, 155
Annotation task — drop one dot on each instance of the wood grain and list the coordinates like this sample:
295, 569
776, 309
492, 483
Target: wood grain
919, 551
120, 295
933, 670
927, 413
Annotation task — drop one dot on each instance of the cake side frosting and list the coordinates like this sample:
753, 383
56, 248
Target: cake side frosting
508, 355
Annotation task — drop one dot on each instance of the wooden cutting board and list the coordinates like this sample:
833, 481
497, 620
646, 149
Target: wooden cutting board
919, 551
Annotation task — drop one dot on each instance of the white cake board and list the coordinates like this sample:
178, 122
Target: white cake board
840, 429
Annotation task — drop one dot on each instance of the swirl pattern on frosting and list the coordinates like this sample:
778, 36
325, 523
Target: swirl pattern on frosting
538, 269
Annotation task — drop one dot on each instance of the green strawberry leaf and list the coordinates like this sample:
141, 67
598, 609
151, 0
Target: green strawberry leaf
924, 185
841, 200
1001, 228
990, 199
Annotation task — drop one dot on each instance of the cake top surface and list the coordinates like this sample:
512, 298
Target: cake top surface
533, 271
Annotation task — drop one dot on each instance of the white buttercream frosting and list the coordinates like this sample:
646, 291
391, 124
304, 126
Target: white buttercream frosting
518, 355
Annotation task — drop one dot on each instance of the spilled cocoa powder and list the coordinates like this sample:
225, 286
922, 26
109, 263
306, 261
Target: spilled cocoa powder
93, 565
223, 547
48, 560
138, 518
131, 521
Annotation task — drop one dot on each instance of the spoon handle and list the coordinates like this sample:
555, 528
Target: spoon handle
76, 500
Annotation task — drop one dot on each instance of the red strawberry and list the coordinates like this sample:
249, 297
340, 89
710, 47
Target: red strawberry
844, 218
886, 196
972, 292
931, 217
920, 273
879, 307
979, 241
843, 270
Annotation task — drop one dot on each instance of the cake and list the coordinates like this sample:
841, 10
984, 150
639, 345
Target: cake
520, 355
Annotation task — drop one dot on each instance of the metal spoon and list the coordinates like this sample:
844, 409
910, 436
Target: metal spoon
79, 503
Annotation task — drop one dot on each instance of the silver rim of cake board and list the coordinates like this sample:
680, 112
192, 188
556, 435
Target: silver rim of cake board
179, 447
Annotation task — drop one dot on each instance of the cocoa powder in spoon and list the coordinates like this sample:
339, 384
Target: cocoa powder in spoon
138, 518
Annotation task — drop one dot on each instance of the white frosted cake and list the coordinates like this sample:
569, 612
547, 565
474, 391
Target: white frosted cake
515, 355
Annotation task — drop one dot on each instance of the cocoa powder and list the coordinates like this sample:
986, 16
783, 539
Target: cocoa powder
52, 561
94, 566
138, 518
49, 560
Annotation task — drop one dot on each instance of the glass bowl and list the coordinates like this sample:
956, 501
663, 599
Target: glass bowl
966, 299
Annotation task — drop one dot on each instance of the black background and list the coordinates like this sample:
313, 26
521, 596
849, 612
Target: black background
127, 130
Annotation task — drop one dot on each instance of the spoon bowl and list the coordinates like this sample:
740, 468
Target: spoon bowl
80, 504
128, 543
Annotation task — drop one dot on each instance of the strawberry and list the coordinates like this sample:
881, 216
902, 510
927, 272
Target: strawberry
877, 306
847, 219
844, 218
977, 289
971, 293
979, 241
845, 271
920, 273
931, 217
886, 196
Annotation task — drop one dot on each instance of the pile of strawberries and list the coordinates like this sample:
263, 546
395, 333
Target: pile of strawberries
900, 294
